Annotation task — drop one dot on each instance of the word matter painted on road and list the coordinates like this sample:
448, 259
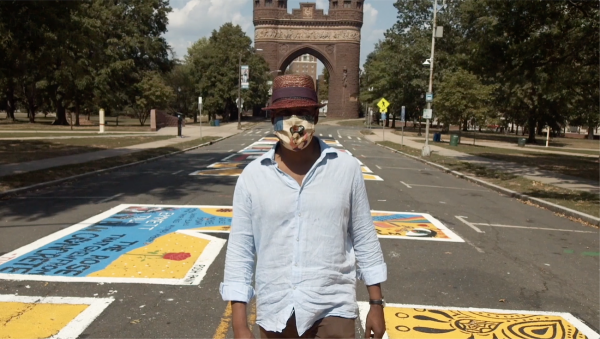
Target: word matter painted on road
418, 226
127, 244
48, 317
233, 165
431, 322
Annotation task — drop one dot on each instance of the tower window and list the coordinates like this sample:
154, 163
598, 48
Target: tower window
268, 3
359, 5
334, 4
347, 4
281, 4
256, 3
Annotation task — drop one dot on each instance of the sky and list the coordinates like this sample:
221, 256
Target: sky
191, 20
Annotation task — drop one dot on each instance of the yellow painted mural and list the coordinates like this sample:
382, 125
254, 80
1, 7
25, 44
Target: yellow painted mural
168, 257
28, 320
417, 323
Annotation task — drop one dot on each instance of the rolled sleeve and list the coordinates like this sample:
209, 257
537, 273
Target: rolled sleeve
239, 261
371, 266
236, 292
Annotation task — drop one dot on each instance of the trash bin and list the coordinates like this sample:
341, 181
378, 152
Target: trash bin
212, 123
454, 140
217, 122
522, 142
437, 137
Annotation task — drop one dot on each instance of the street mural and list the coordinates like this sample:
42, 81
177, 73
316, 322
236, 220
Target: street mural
418, 226
233, 165
127, 244
161, 244
48, 317
417, 321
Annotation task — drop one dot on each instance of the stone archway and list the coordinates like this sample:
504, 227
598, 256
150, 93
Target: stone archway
333, 38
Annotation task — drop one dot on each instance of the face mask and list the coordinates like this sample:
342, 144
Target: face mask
295, 132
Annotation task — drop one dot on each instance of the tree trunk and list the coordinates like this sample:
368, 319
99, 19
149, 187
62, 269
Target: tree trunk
590, 134
465, 127
61, 114
531, 129
10, 101
517, 132
77, 106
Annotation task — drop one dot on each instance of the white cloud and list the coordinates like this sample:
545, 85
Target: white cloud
198, 18
370, 35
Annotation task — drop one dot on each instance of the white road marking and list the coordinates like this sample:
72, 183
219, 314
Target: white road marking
381, 200
266, 132
354, 149
177, 172
349, 137
462, 218
242, 144
320, 134
76, 326
330, 136
230, 151
378, 166
110, 198
450, 188
532, 228
405, 184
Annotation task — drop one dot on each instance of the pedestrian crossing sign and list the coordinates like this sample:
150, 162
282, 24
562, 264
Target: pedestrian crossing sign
383, 105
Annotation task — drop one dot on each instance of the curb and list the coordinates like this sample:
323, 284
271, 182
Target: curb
50, 183
546, 204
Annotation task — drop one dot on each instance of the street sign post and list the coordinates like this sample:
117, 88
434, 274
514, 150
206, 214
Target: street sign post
402, 119
200, 112
383, 106
429, 97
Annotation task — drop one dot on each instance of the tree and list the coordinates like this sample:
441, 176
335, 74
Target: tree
461, 98
216, 70
152, 92
324, 85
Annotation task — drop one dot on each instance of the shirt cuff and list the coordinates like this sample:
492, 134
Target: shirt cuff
234, 291
373, 275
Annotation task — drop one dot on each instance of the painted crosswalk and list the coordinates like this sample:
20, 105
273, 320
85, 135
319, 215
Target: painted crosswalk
234, 164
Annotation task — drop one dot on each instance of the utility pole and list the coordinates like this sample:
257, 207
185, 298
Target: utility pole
426, 151
240, 92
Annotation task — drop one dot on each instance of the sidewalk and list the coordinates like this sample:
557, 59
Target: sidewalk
188, 135
546, 177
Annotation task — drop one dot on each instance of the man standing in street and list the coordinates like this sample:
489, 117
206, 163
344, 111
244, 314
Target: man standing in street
302, 211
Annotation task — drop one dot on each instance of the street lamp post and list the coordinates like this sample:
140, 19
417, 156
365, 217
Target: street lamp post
426, 150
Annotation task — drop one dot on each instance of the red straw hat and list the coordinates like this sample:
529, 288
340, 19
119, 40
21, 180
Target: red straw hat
294, 91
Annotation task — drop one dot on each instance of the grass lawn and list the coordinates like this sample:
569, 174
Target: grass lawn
540, 140
580, 201
577, 166
51, 135
32, 178
14, 151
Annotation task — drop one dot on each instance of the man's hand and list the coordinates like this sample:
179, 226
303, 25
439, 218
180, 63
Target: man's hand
243, 332
375, 326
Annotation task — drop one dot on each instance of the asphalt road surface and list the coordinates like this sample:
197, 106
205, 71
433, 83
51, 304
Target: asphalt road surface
509, 256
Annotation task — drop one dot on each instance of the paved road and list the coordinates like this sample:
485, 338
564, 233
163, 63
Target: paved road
514, 256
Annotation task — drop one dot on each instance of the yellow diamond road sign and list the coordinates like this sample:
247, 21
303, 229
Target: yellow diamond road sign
383, 105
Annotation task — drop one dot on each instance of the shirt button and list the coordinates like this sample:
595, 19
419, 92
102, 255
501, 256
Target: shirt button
297, 239
294, 287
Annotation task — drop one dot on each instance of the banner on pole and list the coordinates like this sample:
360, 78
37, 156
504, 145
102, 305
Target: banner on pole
245, 77
403, 114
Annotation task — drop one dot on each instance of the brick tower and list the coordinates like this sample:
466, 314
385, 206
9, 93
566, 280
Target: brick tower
333, 38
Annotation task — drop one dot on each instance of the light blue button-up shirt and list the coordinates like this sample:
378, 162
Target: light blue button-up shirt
307, 239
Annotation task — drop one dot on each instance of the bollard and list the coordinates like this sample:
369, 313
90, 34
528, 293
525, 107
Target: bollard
101, 120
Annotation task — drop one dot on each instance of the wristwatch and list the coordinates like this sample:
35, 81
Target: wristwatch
378, 302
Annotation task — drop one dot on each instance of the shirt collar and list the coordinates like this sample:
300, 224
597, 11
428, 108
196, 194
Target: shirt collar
270, 155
